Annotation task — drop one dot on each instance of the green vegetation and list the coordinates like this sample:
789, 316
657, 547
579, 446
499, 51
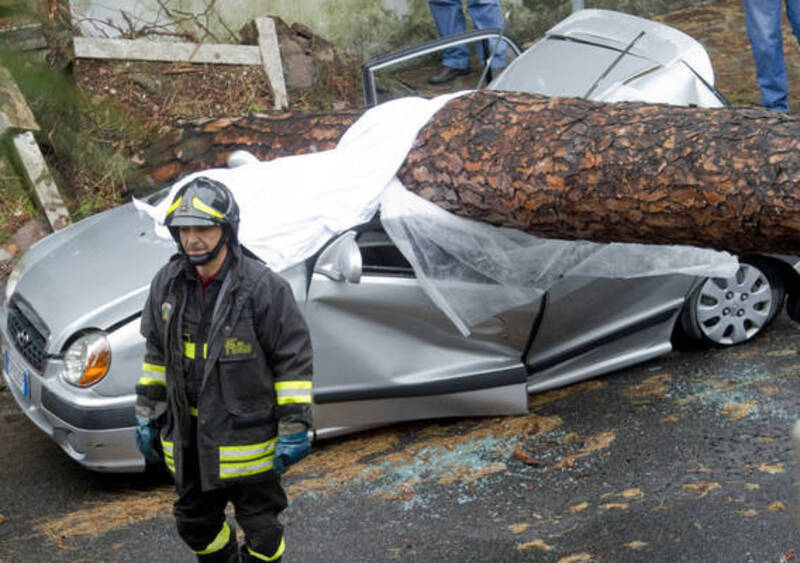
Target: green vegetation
15, 8
16, 206
367, 29
81, 139
744, 94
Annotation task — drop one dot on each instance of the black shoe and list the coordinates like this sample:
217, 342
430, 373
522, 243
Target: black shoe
447, 74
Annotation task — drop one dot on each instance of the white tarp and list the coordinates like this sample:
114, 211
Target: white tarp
291, 206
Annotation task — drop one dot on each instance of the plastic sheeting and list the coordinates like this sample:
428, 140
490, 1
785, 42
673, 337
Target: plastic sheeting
473, 271
291, 206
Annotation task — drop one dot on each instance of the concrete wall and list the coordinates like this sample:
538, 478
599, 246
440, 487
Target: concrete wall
364, 27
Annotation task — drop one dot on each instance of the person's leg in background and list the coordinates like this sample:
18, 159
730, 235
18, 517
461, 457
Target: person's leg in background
448, 15
763, 20
793, 13
485, 14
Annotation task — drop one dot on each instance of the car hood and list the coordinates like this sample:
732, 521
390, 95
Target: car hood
92, 274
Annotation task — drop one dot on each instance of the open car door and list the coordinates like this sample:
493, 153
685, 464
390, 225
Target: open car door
405, 72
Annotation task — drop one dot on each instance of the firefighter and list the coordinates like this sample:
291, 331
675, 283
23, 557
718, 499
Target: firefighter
225, 395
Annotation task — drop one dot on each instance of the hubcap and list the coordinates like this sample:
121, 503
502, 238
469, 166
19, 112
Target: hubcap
733, 310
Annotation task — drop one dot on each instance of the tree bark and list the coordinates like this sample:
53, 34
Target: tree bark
208, 143
569, 168
628, 172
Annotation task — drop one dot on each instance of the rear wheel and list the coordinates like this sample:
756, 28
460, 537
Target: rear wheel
733, 310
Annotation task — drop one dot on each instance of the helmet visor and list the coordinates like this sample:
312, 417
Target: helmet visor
187, 220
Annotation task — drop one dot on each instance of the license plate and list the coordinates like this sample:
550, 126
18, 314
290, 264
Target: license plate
16, 374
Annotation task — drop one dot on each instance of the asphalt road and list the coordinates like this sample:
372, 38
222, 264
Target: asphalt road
686, 458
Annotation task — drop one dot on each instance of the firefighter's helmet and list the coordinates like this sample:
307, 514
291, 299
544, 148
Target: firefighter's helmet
203, 202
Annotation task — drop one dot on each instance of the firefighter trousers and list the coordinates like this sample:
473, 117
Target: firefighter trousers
200, 516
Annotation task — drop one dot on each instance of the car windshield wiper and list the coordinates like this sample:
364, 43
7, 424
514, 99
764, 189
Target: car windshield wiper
719, 95
614, 63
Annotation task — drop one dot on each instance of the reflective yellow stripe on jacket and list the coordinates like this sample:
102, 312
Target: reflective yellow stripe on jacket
168, 449
153, 374
293, 392
249, 459
191, 350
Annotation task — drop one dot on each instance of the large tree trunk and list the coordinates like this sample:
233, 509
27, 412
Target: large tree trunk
572, 168
207, 143
576, 169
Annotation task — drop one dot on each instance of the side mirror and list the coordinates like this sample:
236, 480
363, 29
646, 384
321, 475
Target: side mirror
341, 261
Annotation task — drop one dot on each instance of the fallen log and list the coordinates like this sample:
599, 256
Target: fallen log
576, 169
206, 144
629, 172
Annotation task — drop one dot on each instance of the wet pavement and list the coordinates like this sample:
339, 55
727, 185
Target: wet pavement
686, 458
683, 459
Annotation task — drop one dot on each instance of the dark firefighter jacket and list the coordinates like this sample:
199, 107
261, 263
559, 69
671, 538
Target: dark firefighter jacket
257, 371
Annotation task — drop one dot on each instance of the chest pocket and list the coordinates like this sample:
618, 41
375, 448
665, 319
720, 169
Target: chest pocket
245, 378
240, 347
240, 344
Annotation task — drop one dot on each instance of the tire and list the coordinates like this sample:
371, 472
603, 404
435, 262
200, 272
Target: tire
731, 311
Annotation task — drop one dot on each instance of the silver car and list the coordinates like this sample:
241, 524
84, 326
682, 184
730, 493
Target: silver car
69, 325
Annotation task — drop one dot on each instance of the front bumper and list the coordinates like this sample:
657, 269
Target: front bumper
98, 432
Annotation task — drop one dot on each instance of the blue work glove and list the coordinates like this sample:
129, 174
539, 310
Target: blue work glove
146, 434
291, 448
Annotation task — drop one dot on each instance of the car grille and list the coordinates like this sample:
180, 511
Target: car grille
27, 339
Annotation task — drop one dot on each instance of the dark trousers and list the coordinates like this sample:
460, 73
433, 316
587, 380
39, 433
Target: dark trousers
200, 515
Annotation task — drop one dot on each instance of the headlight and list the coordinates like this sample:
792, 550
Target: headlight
87, 360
